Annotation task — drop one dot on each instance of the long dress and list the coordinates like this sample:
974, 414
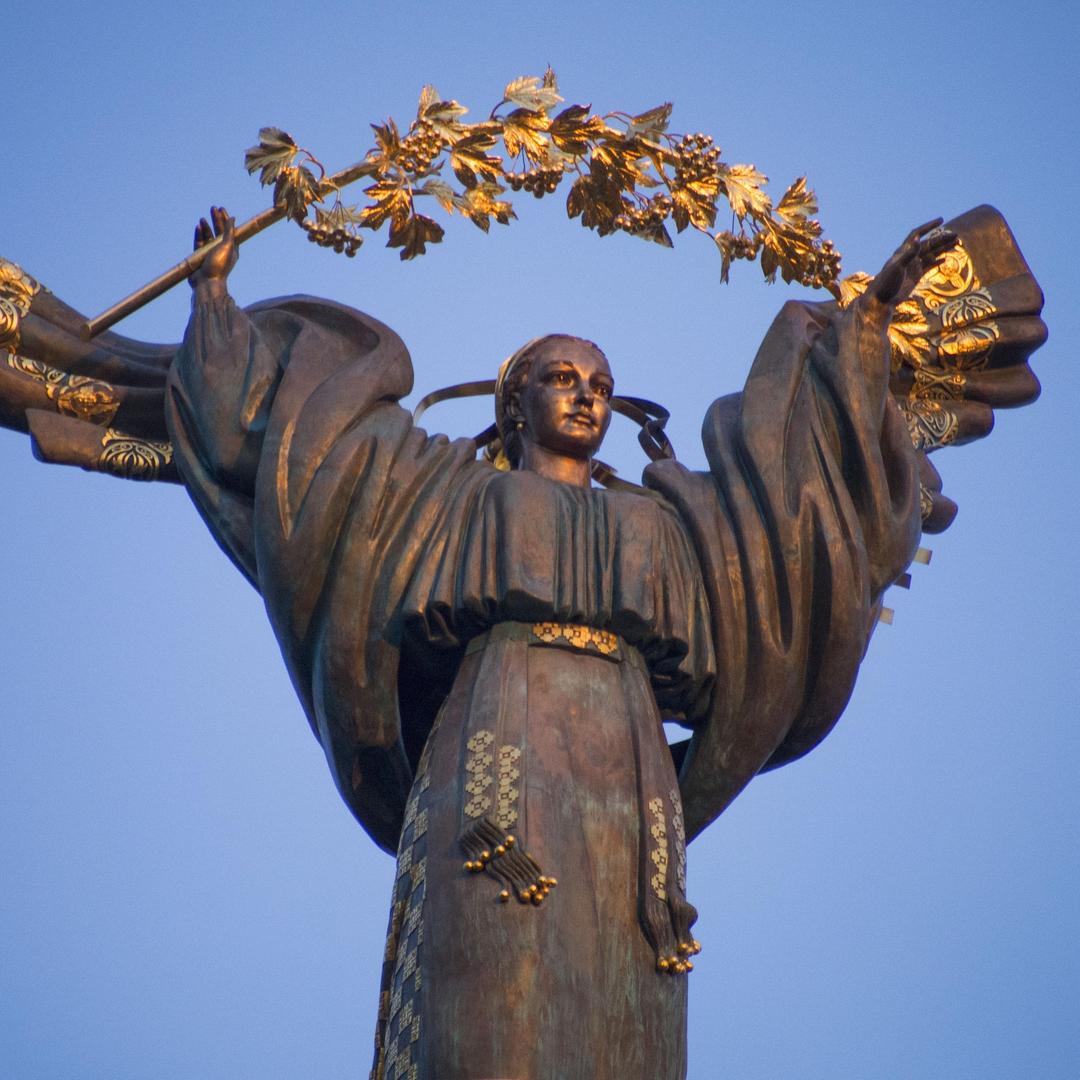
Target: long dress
486, 657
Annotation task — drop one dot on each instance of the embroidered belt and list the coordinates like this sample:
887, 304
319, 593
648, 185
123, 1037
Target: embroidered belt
559, 635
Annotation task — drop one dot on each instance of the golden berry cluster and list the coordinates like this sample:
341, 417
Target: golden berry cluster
539, 182
823, 266
643, 218
696, 158
332, 236
420, 147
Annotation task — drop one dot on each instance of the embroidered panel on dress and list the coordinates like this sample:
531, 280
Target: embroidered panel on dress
506, 809
399, 1007
478, 766
659, 853
679, 829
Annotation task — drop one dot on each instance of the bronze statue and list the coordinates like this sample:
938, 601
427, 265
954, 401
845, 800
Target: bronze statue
488, 655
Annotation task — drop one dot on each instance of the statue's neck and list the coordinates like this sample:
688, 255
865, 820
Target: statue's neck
567, 470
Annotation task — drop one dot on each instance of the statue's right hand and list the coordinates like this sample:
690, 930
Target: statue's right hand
222, 258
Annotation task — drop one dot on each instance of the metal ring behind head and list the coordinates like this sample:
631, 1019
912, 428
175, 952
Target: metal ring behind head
650, 417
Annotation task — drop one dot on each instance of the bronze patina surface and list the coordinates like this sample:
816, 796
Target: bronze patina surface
487, 655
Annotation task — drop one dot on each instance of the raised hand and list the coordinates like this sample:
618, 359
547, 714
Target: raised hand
222, 258
921, 250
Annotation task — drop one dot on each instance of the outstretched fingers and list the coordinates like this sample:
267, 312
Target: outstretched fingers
203, 233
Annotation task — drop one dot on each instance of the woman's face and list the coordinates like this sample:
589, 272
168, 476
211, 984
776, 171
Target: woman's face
566, 401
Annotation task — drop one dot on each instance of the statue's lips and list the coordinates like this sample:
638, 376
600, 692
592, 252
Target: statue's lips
583, 419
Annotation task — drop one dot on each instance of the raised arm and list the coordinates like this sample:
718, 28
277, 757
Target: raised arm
226, 372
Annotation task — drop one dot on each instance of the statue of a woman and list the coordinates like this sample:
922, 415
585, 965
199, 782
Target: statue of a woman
488, 656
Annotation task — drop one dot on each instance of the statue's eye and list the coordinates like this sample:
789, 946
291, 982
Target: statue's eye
603, 390
561, 378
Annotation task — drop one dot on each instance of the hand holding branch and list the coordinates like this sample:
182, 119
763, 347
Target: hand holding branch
921, 250
221, 258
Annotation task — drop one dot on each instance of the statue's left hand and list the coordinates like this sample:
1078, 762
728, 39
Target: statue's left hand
921, 250
221, 259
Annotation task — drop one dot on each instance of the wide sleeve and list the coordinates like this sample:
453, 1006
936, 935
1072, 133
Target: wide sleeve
808, 511
288, 433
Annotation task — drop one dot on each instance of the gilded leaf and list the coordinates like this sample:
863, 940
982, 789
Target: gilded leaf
573, 130
525, 130
428, 96
725, 241
530, 93
296, 189
650, 124
693, 208
596, 202
797, 204
578, 197
389, 202
618, 163
441, 190
769, 263
413, 235
273, 154
742, 185
656, 232
469, 160
388, 146
481, 203
445, 112
853, 286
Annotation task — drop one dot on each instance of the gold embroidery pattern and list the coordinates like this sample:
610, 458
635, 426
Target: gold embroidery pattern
930, 424
951, 293
679, 829
926, 501
87, 399
399, 1007
17, 291
968, 348
953, 276
132, 458
659, 853
971, 307
478, 766
506, 813
937, 385
580, 637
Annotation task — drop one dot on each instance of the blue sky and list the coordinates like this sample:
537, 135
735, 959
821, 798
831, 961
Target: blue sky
184, 895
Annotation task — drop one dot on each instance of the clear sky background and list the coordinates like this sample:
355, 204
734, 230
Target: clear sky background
183, 896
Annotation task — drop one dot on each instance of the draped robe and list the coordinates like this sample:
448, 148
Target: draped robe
401, 574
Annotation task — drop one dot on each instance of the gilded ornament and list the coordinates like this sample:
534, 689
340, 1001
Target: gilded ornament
36, 369
937, 384
91, 400
951, 277
617, 163
579, 637
17, 291
930, 424
506, 813
926, 501
478, 767
971, 307
968, 348
679, 829
132, 458
659, 853
87, 399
